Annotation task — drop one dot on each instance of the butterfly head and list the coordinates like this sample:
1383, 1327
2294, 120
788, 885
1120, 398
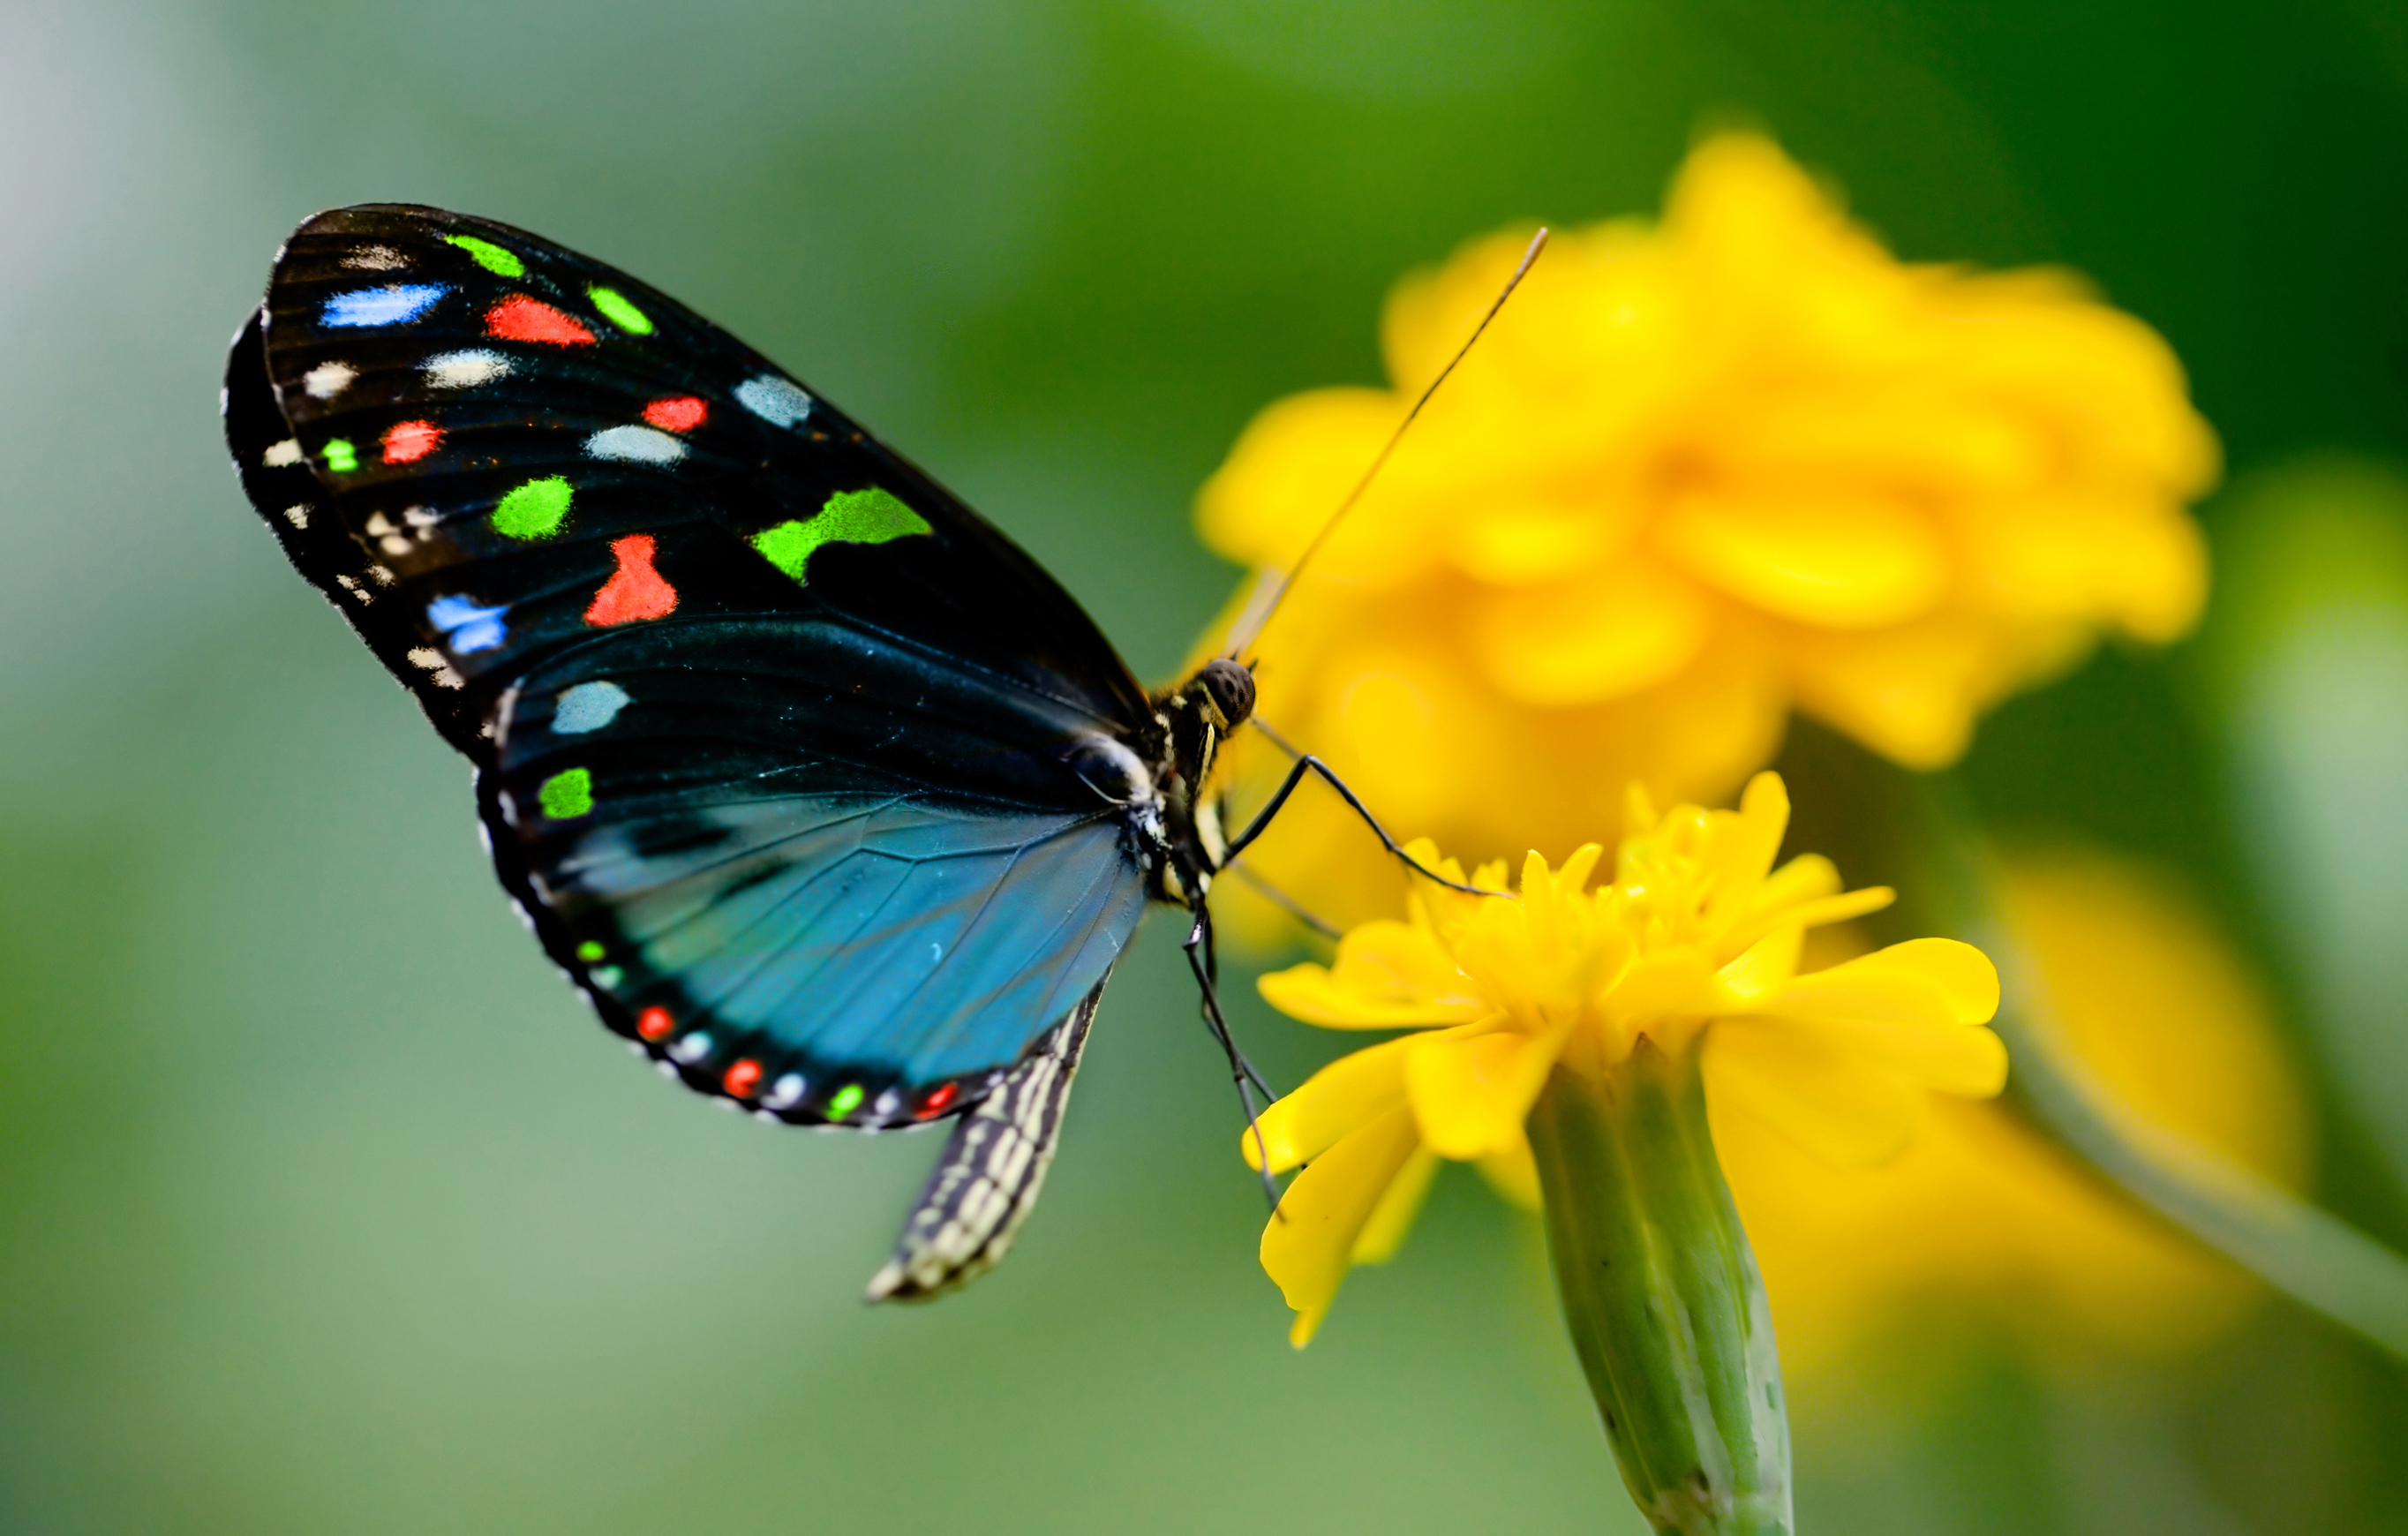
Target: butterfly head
1223, 693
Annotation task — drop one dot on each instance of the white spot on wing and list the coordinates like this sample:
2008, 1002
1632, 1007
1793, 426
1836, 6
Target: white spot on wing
376, 258
297, 514
787, 1091
328, 380
693, 1048
775, 400
432, 659
283, 455
635, 445
464, 369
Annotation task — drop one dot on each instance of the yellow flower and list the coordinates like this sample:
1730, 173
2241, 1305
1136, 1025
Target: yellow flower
1698, 473
1696, 932
1981, 1221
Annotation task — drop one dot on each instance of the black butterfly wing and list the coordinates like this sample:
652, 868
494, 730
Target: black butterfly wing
480, 420
776, 738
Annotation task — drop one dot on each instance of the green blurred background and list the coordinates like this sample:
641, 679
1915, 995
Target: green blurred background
325, 1208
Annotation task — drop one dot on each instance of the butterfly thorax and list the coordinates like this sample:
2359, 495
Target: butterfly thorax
1195, 717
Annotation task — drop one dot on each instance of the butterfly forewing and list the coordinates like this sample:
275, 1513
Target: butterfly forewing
774, 734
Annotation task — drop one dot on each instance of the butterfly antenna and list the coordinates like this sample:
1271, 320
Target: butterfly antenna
1272, 588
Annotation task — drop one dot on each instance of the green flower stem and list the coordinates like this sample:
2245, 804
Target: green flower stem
1662, 1296
2307, 1253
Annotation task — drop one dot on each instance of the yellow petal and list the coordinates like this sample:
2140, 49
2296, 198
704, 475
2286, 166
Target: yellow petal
1388, 975
1958, 1058
1668, 984
1393, 1217
1843, 1111
1332, 1103
1804, 877
2139, 561
1308, 1241
1521, 541
1839, 560
1819, 912
1910, 693
1292, 466
1609, 632
1472, 1092
1744, 847
1924, 981
1764, 969
1514, 1173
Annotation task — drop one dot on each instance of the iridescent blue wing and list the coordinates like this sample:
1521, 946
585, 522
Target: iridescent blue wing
795, 911
775, 737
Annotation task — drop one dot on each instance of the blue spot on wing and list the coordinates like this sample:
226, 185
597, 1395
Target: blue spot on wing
467, 626
387, 306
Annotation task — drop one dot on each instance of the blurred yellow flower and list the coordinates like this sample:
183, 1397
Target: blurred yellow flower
1698, 473
1696, 932
1980, 1218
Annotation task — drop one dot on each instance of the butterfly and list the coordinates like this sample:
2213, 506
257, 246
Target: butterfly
832, 802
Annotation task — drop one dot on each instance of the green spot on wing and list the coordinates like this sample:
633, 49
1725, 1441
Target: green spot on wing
850, 517
534, 509
568, 794
492, 258
591, 950
847, 1100
618, 311
341, 458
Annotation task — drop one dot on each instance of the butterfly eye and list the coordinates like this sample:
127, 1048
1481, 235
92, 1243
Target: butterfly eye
1231, 689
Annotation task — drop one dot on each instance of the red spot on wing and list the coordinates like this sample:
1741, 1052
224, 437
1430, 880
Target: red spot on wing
939, 1101
742, 1078
406, 441
520, 318
655, 1023
635, 590
679, 413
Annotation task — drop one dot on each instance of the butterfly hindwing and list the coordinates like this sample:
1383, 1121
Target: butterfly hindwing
777, 740
988, 1180
785, 912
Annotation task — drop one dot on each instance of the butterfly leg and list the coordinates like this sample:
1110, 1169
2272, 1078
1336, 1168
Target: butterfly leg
1201, 959
1310, 764
988, 1180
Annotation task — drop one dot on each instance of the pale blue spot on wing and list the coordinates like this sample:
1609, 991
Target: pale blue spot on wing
588, 707
775, 400
466, 624
387, 306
